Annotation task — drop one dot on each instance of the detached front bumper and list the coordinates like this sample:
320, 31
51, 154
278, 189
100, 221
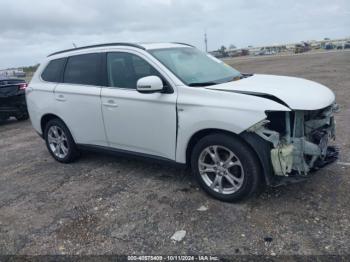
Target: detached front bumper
300, 141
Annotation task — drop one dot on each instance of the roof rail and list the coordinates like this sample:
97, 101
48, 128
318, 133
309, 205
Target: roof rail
183, 44
99, 45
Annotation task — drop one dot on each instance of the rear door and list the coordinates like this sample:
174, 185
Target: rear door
78, 98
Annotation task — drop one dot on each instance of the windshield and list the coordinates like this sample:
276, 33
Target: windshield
194, 67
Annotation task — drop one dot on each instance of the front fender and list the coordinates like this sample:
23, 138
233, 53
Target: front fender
199, 109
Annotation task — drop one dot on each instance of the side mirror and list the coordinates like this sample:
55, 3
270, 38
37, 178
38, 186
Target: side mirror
149, 84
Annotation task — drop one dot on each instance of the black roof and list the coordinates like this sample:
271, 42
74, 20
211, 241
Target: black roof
100, 45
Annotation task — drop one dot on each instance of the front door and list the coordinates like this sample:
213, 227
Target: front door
143, 123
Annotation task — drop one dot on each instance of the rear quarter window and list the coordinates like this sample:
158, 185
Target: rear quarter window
53, 71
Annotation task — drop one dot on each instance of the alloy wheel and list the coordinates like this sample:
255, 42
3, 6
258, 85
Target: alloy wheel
221, 169
58, 142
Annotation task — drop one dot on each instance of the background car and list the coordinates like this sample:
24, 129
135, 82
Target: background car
12, 99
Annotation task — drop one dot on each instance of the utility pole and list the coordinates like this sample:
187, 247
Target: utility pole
206, 42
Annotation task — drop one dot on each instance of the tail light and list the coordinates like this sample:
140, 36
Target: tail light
23, 86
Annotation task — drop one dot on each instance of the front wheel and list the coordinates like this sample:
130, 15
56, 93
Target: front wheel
225, 167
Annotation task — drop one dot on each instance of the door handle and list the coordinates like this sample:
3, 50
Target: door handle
60, 98
110, 103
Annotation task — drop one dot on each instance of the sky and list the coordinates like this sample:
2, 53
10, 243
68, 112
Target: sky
30, 30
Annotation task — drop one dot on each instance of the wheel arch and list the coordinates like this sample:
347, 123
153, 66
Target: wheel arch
199, 135
72, 152
259, 146
46, 118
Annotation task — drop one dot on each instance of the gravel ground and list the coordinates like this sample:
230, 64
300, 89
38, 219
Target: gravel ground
107, 205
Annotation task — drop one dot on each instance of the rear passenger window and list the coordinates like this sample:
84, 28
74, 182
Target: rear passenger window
83, 69
53, 71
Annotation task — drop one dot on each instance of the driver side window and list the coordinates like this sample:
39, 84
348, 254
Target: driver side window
125, 69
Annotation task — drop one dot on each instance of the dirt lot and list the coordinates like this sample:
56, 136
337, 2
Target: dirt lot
107, 205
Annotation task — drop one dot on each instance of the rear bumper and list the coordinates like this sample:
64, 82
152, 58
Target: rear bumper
10, 110
13, 105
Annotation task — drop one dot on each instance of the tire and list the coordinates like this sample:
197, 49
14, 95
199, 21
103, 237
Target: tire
22, 117
3, 118
60, 142
235, 167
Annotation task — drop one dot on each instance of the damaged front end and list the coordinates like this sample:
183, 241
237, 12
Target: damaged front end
299, 140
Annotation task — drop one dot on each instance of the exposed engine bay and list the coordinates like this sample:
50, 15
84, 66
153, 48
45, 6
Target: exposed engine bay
299, 140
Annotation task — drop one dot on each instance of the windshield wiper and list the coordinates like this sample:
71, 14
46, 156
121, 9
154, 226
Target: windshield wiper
247, 75
203, 84
241, 76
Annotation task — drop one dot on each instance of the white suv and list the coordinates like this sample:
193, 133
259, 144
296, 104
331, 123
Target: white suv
170, 101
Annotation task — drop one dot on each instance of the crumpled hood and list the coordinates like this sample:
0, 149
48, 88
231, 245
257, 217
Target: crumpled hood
297, 93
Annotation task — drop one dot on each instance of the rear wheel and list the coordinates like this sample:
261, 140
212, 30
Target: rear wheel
59, 141
225, 167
